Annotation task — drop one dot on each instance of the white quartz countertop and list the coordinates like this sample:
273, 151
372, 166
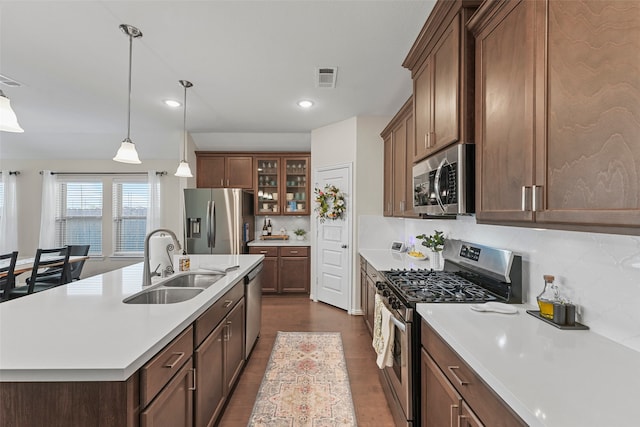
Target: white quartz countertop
291, 242
84, 332
386, 259
550, 377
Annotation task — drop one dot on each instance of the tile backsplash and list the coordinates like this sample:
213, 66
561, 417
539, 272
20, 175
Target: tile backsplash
290, 223
598, 272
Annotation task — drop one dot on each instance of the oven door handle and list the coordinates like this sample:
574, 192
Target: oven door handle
398, 324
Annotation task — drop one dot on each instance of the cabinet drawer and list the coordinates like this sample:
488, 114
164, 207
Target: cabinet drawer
264, 250
159, 370
373, 273
294, 251
214, 314
487, 405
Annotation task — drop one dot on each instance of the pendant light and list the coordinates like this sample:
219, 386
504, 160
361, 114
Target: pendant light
184, 170
127, 152
8, 119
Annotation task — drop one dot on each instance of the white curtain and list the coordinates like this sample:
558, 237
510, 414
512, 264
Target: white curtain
9, 215
48, 211
153, 212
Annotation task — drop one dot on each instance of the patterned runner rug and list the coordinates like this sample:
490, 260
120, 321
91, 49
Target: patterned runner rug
305, 384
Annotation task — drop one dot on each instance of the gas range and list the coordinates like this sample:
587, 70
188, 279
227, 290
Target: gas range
422, 286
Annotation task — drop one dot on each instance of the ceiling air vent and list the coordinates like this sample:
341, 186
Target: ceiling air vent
326, 76
8, 81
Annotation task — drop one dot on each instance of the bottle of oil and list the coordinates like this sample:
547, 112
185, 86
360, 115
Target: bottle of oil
547, 297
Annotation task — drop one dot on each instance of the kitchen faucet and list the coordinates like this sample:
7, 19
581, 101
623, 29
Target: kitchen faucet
146, 278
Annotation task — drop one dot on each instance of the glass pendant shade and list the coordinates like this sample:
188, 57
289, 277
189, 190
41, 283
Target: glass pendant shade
127, 153
8, 119
184, 171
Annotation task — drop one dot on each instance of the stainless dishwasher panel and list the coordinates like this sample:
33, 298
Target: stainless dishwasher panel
253, 313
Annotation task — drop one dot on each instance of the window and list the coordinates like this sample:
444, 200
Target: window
79, 213
130, 204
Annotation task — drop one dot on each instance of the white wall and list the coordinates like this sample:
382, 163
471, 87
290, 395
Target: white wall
598, 272
29, 186
353, 141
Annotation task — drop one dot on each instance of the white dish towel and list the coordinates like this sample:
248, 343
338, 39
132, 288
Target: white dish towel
383, 334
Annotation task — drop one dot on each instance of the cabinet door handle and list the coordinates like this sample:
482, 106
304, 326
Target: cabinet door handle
227, 183
227, 303
526, 196
536, 191
230, 329
451, 414
426, 143
193, 384
457, 378
179, 355
221, 182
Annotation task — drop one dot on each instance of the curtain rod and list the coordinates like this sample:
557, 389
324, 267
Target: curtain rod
104, 173
12, 173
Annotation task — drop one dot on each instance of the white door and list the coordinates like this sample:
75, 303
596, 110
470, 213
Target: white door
333, 242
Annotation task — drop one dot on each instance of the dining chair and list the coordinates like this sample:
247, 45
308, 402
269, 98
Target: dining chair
7, 276
57, 277
75, 268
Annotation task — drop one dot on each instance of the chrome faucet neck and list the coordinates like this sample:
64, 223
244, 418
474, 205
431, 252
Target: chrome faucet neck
146, 278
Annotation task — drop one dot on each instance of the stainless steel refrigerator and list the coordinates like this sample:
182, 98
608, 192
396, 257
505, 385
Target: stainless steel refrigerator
218, 221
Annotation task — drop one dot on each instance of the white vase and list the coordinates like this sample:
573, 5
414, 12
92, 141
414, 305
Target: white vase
436, 260
299, 237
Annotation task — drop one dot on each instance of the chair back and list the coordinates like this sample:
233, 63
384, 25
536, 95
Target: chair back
61, 262
76, 267
7, 274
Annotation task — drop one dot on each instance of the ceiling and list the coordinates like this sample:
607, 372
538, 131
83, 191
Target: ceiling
249, 62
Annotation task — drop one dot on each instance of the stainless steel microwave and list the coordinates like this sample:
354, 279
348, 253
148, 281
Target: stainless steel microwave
443, 184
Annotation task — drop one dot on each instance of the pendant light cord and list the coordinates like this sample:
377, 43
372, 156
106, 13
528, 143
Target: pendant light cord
129, 103
184, 126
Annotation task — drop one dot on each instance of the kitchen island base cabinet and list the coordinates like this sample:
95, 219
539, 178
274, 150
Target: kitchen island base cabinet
453, 394
173, 407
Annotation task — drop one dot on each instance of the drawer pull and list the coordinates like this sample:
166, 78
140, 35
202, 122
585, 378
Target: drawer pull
227, 303
294, 252
179, 355
264, 252
193, 387
453, 372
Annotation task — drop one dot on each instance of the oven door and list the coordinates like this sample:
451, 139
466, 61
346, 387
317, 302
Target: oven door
399, 376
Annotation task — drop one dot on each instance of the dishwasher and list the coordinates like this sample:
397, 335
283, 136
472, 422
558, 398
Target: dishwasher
253, 309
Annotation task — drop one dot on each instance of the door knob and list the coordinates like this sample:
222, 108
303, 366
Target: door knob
344, 246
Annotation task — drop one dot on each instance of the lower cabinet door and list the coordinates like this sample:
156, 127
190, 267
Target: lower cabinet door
234, 346
468, 418
440, 401
173, 406
210, 392
294, 274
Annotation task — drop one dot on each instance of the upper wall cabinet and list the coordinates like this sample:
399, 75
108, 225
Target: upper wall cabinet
217, 170
398, 163
558, 108
282, 184
441, 64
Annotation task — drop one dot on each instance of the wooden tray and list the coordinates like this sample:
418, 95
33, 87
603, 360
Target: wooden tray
275, 237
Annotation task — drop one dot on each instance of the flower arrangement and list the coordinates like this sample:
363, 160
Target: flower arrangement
434, 242
331, 203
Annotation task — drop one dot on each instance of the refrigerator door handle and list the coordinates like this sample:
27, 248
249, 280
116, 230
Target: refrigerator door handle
209, 223
214, 223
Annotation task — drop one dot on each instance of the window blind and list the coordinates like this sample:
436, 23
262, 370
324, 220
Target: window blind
79, 213
130, 205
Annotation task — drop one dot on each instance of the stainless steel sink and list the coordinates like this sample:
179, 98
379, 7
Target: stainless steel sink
163, 295
198, 280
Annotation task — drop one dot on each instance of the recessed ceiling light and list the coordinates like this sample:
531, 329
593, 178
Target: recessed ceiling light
305, 103
172, 103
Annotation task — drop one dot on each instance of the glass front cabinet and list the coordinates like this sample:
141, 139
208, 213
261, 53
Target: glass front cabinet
282, 185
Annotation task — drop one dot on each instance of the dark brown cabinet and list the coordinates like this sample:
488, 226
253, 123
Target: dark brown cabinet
286, 269
441, 64
209, 358
224, 171
234, 346
557, 145
452, 394
173, 407
282, 184
398, 163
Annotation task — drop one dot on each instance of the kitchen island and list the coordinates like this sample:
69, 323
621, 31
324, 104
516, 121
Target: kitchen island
81, 356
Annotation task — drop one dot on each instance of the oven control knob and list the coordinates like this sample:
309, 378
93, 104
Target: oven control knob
379, 286
386, 293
